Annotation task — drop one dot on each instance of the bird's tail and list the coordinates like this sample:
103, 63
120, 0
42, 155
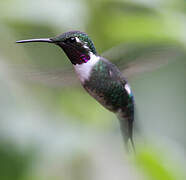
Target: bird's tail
126, 125
130, 134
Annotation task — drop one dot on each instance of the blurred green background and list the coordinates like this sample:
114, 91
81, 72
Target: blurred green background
50, 128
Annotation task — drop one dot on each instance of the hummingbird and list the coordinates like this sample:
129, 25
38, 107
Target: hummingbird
99, 77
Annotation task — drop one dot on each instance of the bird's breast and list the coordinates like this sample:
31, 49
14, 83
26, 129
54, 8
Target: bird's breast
84, 70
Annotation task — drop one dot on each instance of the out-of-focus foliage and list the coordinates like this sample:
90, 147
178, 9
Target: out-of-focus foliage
154, 164
14, 164
55, 129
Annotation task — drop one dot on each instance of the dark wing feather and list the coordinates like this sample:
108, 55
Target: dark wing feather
131, 59
60, 77
134, 59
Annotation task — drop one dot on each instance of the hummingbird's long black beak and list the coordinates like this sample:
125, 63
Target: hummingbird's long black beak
48, 40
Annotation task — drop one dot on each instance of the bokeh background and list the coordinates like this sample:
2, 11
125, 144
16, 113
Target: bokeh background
50, 128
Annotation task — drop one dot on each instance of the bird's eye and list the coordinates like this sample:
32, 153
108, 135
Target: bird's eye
72, 39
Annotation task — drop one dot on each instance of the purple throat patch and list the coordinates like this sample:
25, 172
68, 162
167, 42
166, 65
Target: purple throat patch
84, 58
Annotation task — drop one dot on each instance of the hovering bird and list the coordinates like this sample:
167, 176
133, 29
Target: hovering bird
100, 78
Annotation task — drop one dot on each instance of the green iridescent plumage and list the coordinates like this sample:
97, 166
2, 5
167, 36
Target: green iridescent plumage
107, 85
81, 35
106, 79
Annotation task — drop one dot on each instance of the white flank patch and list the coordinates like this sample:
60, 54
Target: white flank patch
83, 70
128, 89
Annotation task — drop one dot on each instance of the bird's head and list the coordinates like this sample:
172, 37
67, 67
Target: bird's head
77, 45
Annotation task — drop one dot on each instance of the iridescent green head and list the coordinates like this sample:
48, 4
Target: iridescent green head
77, 45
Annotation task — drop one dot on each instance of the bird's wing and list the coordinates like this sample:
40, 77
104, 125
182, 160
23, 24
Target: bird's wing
52, 77
131, 59
134, 59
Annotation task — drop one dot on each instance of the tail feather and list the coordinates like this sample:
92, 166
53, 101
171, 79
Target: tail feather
130, 132
126, 125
